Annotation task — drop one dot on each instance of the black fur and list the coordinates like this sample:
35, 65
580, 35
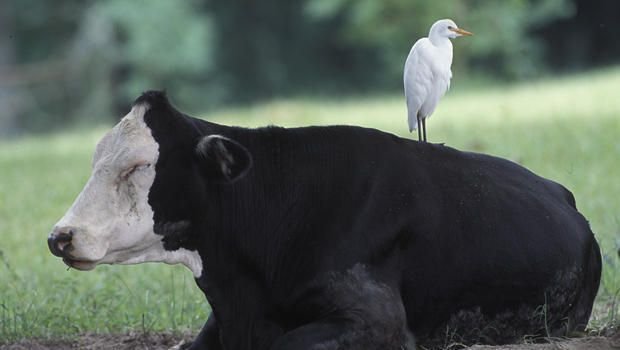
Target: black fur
449, 242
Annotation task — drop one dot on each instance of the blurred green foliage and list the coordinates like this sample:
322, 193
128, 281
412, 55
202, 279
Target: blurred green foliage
70, 61
502, 46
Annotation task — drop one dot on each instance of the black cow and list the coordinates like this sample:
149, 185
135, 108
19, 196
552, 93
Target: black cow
335, 237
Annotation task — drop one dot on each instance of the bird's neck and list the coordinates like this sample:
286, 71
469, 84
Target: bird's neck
439, 41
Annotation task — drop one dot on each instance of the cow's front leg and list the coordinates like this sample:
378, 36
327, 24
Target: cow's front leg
357, 312
310, 336
208, 338
346, 334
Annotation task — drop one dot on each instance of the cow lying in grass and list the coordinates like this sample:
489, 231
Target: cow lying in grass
334, 237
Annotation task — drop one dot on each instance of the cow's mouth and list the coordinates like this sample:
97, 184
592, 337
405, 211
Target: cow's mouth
82, 265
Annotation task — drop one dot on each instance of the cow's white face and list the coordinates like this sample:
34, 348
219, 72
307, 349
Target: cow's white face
111, 221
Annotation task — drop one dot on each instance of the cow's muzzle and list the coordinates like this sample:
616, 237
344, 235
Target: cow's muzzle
59, 241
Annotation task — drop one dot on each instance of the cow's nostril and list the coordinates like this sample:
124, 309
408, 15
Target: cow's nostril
59, 240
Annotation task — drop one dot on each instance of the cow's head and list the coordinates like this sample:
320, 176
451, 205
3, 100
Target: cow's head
145, 197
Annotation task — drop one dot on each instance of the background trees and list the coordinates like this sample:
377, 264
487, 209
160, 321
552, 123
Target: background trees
76, 61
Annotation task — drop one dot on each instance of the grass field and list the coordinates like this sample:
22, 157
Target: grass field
566, 129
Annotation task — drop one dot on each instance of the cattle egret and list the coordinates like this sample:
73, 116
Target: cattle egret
427, 73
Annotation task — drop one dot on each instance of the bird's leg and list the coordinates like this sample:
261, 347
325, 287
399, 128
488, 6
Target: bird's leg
419, 129
424, 128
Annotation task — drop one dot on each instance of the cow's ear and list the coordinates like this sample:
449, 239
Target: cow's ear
222, 159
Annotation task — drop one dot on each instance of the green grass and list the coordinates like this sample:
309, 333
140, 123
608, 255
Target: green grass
566, 129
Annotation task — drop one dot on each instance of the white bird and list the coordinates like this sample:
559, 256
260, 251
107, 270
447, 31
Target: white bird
427, 72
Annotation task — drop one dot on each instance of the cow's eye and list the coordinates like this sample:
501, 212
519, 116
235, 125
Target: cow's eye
127, 173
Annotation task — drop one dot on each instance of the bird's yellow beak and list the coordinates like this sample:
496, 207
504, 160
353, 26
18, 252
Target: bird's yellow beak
461, 31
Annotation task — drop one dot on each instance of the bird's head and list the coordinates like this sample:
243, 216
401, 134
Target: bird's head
448, 29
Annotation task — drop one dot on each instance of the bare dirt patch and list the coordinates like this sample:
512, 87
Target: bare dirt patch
131, 341
165, 341
588, 343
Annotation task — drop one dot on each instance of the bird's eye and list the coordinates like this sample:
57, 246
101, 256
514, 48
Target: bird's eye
450, 27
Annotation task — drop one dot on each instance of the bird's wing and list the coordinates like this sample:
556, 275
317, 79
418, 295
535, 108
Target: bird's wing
417, 78
441, 84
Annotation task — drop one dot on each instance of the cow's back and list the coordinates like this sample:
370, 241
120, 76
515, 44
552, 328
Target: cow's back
500, 249
477, 244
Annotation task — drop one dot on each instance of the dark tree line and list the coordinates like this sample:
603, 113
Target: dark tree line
70, 61
590, 37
